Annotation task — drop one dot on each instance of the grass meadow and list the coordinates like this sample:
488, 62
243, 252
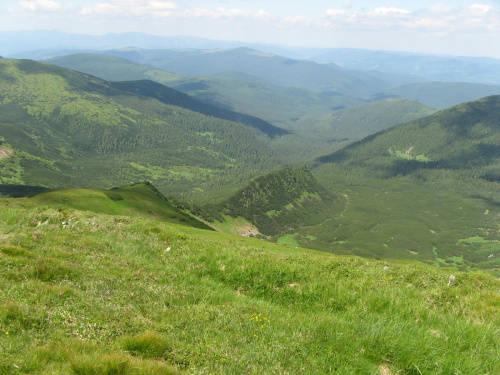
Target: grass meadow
114, 294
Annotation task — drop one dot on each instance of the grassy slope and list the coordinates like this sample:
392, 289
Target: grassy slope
104, 297
141, 199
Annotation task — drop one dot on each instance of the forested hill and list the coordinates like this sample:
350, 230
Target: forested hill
280, 201
462, 142
60, 128
167, 95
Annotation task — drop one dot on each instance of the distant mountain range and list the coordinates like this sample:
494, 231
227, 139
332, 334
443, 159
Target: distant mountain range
425, 66
409, 67
441, 95
267, 67
256, 83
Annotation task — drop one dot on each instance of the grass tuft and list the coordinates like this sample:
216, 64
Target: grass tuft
148, 345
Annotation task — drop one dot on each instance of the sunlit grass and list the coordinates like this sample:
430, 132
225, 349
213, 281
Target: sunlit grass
104, 296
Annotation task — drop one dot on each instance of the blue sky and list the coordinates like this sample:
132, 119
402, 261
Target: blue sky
457, 27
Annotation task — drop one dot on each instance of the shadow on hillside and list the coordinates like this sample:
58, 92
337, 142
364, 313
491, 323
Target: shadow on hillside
19, 191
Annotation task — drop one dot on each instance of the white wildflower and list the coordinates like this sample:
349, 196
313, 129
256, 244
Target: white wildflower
452, 278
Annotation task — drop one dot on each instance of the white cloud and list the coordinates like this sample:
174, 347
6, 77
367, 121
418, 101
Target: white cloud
389, 12
162, 5
299, 20
40, 5
223, 13
132, 7
101, 9
440, 18
479, 9
441, 8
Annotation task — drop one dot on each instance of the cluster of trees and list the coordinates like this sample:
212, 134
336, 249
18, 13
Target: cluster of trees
278, 202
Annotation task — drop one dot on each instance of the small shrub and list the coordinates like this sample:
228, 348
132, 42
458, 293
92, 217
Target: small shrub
113, 195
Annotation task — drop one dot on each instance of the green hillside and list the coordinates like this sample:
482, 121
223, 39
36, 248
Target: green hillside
362, 120
461, 143
280, 201
149, 89
441, 95
111, 68
65, 129
137, 200
426, 190
102, 295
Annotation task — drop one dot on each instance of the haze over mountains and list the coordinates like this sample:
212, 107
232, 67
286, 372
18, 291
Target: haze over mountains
45, 44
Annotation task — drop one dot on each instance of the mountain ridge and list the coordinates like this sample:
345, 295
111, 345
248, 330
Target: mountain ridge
458, 138
59, 122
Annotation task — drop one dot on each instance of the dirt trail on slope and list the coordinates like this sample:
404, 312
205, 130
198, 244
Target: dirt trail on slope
5, 152
246, 230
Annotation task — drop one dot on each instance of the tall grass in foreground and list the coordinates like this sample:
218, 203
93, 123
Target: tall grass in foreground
105, 297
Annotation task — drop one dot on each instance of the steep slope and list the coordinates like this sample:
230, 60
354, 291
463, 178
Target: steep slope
113, 68
61, 128
462, 142
103, 296
149, 89
280, 201
441, 95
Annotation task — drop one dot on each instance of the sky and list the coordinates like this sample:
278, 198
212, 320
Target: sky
454, 27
